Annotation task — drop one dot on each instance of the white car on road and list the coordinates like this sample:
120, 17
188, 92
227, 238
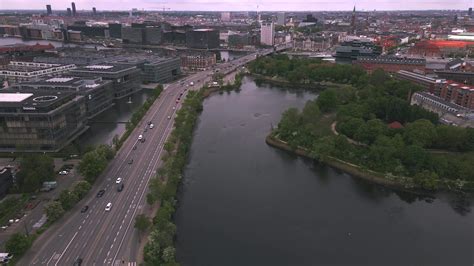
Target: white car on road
63, 172
140, 137
151, 126
119, 180
108, 207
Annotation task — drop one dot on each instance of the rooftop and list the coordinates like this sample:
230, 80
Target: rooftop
106, 68
14, 97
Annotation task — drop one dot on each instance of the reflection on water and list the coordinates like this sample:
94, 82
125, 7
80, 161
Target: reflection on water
110, 123
245, 203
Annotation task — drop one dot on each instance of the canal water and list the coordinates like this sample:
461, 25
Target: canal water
245, 203
106, 125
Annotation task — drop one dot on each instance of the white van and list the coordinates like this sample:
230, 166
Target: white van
5, 257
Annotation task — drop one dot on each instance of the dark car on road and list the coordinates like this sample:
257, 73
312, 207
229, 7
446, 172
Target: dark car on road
120, 187
101, 193
131, 161
78, 262
84, 209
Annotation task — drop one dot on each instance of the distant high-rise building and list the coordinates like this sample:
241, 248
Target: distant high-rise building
310, 18
353, 20
73, 5
225, 16
267, 33
69, 13
49, 11
281, 18
94, 11
469, 12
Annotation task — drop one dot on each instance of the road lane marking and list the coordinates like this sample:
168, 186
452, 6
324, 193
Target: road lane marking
75, 234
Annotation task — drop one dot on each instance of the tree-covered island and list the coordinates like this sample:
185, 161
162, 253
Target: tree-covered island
364, 124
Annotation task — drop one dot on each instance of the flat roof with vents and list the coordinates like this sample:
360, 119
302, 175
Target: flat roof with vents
59, 80
14, 97
99, 67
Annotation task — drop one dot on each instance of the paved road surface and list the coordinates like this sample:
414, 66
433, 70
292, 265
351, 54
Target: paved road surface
100, 237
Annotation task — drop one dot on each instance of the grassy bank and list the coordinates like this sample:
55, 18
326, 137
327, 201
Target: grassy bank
397, 182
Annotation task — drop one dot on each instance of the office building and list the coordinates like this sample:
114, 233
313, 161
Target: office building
225, 16
464, 77
161, 70
198, 61
428, 83
98, 93
350, 50
238, 40
202, 38
17, 71
68, 12
469, 12
40, 121
115, 30
94, 11
125, 79
267, 34
281, 18
73, 5
153, 35
132, 35
49, 11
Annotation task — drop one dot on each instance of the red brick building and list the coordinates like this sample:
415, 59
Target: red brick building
457, 93
391, 64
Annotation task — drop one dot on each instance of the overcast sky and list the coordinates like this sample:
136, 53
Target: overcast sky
235, 5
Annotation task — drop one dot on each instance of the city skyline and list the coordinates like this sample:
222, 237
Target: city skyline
241, 5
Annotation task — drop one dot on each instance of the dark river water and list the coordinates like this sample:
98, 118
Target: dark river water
245, 203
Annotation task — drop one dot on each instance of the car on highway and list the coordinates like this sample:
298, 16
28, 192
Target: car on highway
120, 187
174, 107
151, 126
108, 207
146, 129
119, 180
130, 161
169, 117
143, 140
78, 262
64, 172
140, 137
101, 193
149, 122
84, 209
134, 147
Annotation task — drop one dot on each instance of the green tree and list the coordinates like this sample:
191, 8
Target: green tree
81, 188
67, 199
327, 100
54, 211
35, 169
92, 165
18, 244
421, 132
169, 254
310, 113
152, 250
142, 223
369, 131
427, 180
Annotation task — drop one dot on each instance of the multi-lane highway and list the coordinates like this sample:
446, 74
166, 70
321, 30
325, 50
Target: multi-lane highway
101, 237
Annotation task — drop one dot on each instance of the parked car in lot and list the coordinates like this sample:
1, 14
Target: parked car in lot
108, 207
84, 209
101, 193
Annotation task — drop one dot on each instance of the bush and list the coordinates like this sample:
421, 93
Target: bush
18, 244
